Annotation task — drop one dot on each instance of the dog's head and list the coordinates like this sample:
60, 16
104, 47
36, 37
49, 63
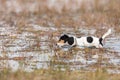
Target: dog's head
65, 40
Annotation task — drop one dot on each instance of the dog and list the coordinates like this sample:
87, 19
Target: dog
85, 41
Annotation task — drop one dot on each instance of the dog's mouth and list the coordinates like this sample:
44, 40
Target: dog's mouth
61, 44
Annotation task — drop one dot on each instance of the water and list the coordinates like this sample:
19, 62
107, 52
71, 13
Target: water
30, 50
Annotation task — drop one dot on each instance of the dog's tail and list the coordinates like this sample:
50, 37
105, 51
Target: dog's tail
104, 36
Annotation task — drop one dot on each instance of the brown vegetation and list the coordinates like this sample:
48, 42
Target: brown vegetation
97, 16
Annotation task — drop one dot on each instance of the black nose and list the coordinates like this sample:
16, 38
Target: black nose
56, 45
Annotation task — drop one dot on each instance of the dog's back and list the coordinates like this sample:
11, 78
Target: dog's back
88, 41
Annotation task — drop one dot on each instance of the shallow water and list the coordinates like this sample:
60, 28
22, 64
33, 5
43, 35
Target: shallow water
29, 50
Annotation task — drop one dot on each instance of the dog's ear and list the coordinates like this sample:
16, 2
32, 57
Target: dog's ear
64, 37
70, 40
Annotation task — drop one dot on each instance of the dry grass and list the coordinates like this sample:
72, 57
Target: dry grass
99, 17
51, 74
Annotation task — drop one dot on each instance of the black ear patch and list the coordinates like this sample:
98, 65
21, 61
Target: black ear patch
70, 40
89, 39
64, 37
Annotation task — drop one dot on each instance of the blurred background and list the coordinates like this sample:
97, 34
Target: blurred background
55, 5
29, 30
84, 11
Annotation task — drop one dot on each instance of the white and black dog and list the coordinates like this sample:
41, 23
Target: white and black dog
88, 41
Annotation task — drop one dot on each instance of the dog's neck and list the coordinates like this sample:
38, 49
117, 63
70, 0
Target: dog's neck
75, 41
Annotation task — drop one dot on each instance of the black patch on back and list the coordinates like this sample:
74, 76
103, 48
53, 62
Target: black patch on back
100, 41
64, 37
70, 40
89, 39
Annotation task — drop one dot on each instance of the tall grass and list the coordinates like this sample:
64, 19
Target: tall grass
101, 12
89, 15
50, 74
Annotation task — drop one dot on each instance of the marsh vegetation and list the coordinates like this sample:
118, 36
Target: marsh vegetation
30, 29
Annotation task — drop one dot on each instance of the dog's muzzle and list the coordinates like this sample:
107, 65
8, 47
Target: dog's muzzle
60, 44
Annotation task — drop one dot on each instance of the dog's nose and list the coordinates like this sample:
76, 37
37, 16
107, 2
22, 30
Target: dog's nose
56, 44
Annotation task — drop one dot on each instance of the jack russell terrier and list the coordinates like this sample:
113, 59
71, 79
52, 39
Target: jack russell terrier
85, 41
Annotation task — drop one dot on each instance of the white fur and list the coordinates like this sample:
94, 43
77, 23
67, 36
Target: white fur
107, 33
82, 42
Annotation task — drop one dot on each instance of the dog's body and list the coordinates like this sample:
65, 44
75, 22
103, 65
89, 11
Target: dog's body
89, 41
